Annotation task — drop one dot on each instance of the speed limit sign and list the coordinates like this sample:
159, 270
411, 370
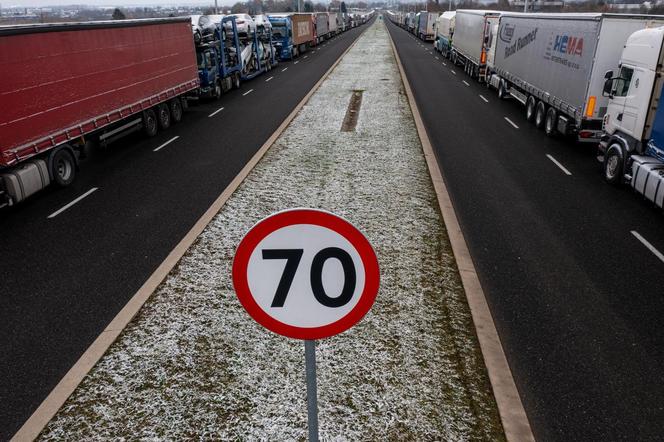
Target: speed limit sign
305, 274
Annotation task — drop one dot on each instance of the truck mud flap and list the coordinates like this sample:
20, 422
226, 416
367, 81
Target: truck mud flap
648, 178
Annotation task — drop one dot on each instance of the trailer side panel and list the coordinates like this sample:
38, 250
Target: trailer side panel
57, 80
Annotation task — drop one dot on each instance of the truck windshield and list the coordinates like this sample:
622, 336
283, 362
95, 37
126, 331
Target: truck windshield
278, 31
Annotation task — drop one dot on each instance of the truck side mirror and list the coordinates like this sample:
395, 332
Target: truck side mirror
608, 74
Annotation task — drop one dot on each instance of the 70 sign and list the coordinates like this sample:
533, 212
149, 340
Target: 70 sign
305, 274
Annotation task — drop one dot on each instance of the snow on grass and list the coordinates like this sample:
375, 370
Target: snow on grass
193, 364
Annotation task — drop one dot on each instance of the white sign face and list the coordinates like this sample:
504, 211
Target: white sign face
305, 274
301, 307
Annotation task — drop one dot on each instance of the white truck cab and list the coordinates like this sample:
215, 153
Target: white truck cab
632, 147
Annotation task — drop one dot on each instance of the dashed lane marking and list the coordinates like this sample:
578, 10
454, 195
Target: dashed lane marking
649, 246
511, 122
269, 79
452, 72
482, 97
63, 208
557, 163
215, 112
248, 92
465, 82
296, 62
157, 149
284, 70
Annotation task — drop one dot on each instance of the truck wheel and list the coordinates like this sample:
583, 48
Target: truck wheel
550, 123
176, 110
164, 115
540, 115
217, 91
236, 80
531, 104
502, 91
613, 165
150, 125
63, 167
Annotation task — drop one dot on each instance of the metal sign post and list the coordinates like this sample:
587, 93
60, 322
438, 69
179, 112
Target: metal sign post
312, 391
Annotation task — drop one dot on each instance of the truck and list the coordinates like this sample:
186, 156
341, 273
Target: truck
471, 35
219, 65
427, 26
410, 22
631, 148
88, 83
554, 65
444, 33
321, 26
333, 23
257, 53
293, 33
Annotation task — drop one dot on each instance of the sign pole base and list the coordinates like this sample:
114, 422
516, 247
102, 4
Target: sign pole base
312, 391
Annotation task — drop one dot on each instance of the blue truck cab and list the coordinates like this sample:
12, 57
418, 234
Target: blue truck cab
282, 35
219, 66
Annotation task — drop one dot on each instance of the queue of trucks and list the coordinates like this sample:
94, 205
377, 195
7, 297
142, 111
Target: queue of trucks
92, 83
590, 77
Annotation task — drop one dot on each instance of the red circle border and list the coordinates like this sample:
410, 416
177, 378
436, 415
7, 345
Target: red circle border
319, 218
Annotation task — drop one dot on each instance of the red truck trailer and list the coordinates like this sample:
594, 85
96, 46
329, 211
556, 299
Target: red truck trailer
62, 85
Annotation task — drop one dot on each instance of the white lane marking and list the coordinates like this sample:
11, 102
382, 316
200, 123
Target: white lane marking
465, 82
269, 79
297, 62
284, 69
482, 97
511, 122
248, 92
215, 112
437, 58
62, 209
304, 57
166, 143
557, 163
452, 72
650, 247
444, 64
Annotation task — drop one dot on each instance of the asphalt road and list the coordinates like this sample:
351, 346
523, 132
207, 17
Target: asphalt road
64, 278
577, 298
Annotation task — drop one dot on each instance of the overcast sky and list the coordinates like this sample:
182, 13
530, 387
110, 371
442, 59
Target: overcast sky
22, 3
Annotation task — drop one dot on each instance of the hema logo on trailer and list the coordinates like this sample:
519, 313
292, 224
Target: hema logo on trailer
569, 45
506, 34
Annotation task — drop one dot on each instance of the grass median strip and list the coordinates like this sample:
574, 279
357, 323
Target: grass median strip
192, 364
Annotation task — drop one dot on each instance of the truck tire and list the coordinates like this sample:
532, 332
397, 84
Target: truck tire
502, 90
164, 116
176, 110
550, 122
236, 80
217, 90
613, 165
63, 167
531, 104
150, 125
540, 115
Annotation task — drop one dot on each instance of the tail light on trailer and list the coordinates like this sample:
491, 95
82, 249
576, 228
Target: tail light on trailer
483, 57
585, 134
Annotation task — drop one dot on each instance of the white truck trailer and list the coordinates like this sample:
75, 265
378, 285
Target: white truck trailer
554, 64
632, 146
471, 31
444, 32
427, 26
